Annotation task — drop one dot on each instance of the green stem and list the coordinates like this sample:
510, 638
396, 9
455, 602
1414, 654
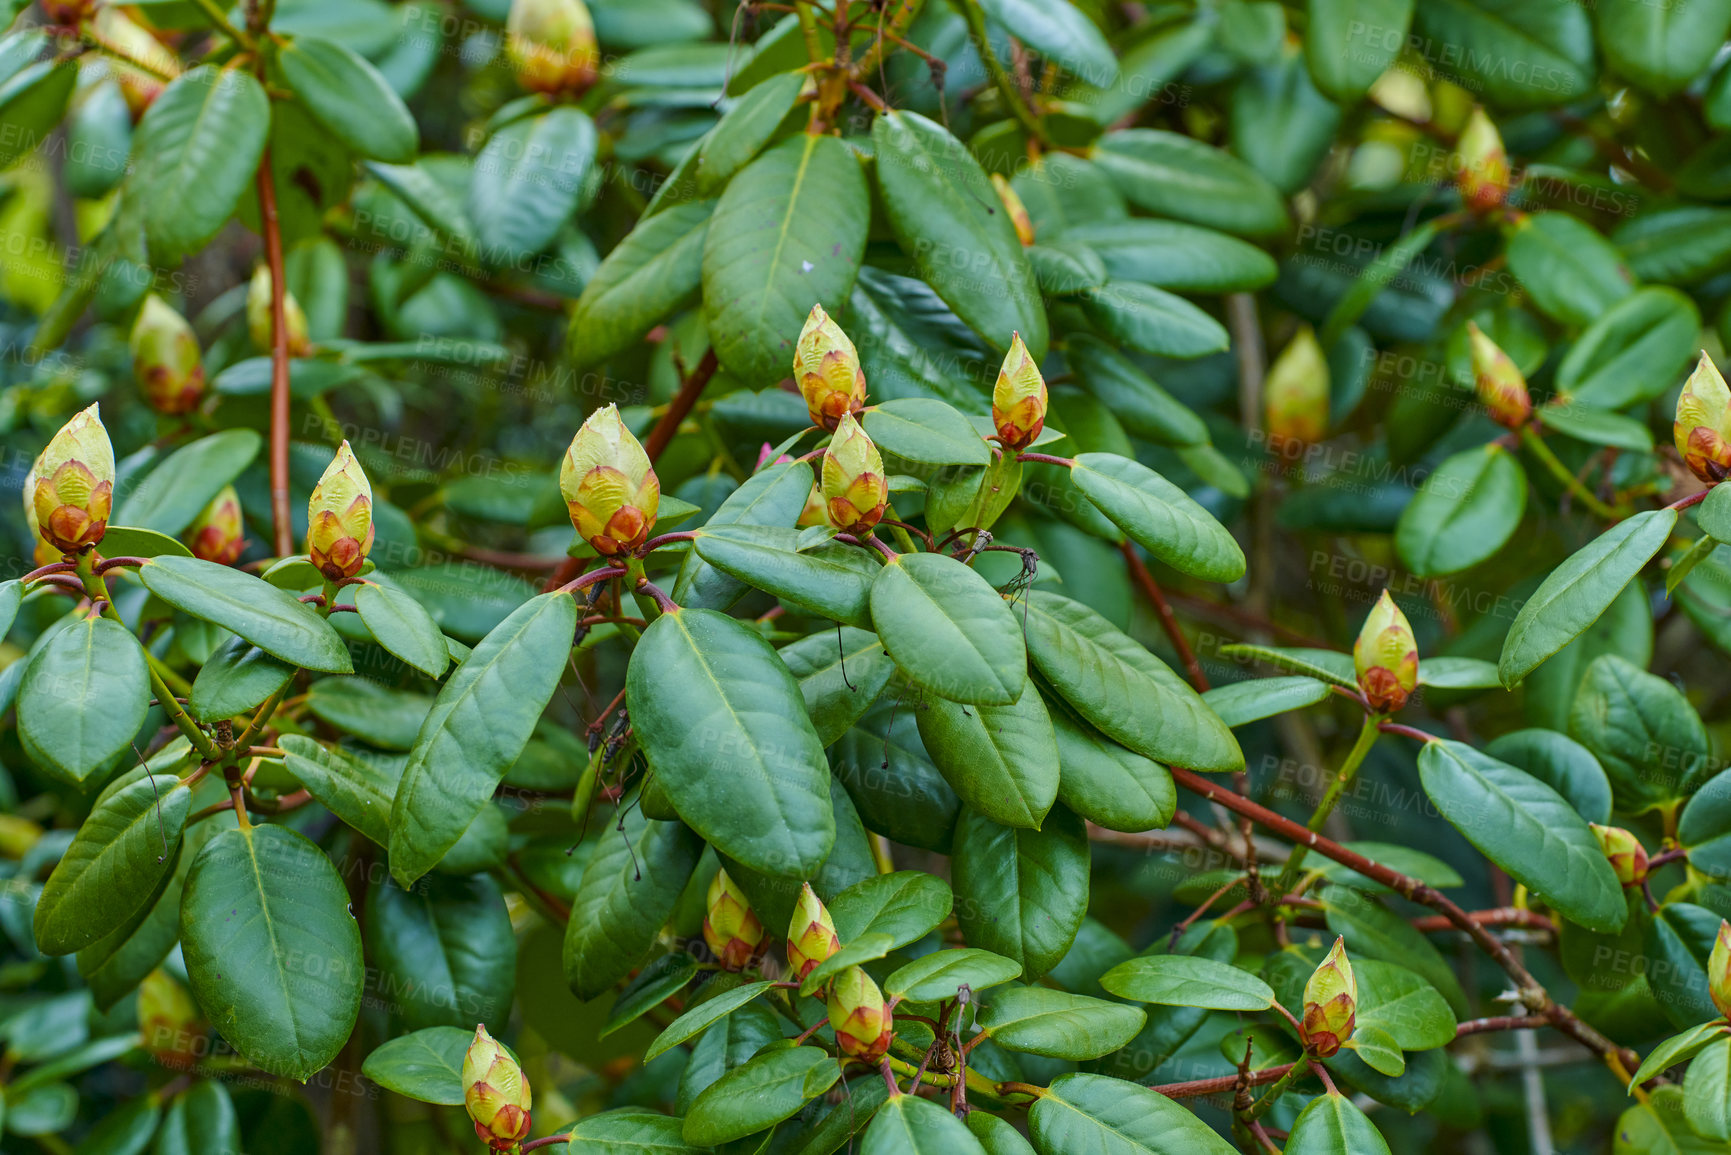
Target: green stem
256, 726
1534, 442
1006, 83
219, 18
1330, 798
1272, 1096
808, 28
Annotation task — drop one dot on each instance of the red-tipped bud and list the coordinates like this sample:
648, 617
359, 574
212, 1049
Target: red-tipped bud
1702, 430
863, 1024
218, 533
1498, 382
261, 317
1295, 393
1018, 212
551, 44
496, 1093
1482, 165
1330, 1004
855, 487
1386, 657
826, 369
74, 487
1628, 858
1019, 398
609, 486
811, 936
166, 360
730, 926
340, 517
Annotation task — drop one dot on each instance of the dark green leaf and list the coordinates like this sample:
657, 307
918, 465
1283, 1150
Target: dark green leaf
1001, 760
628, 892
1021, 893
1176, 176
335, 84
426, 1065
269, 618
948, 630
1159, 516
83, 697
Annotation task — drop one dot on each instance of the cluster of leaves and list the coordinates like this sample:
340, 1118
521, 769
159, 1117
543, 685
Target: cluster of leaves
310, 773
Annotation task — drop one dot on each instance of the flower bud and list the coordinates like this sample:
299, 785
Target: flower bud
816, 511
165, 358
1295, 392
1018, 211
169, 1021
65, 12
139, 61
1702, 429
1482, 166
551, 44
857, 1012
1330, 1003
811, 936
609, 485
1499, 384
218, 534
43, 553
1628, 858
1719, 970
259, 316
1018, 398
74, 486
496, 1093
340, 517
826, 369
854, 485
17, 835
730, 926
1386, 657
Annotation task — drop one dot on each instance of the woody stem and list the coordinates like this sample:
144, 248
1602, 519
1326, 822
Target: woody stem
1331, 797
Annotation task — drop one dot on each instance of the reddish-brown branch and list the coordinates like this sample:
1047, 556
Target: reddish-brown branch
282, 516
1501, 1023
1501, 916
1196, 1088
1168, 619
662, 435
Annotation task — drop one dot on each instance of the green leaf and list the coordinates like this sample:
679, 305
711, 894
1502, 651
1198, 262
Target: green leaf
527, 181
788, 232
1403, 1006
1705, 827
1144, 409
1179, 177
1332, 1125
273, 954
1680, 941
1000, 760
1344, 58
114, 965
776, 496
1707, 1089
942, 973
1714, 513
1280, 123
178, 489
1241, 703
1560, 763
1057, 1024
1175, 256
1158, 516
1330, 666
1596, 427
1634, 352
1112, 1117
948, 630
1104, 783
478, 726
1373, 931
731, 744
910, 1125
200, 1120
83, 698
762, 1093
947, 217
996, 1135
1466, 511
1526, 828
655, 270
1153, 321
116, 862
628, 892
927, 431
1661, 48
703, 1016
1122, 690
358, 791
1678, 1049
1389, 264
238, 677
1186, 981
629, 1131
648, 989
1061, 33
1416, 863
1658, 1127
32, 103
197, 150
1021, 893
1553, 43
1679, 245
1065, 268
839, 676
1573, 596
405, 629
269, 618
426, 1065
335, 83
1570, 270
1643, 731
748, 126
830, 580
446, 948
906, 905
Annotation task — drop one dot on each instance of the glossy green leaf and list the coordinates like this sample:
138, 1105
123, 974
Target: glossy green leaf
1570, 270
1061, 33
1661, 48
628, 892
703, 1016
1179, 177
948, 630
267, 617
478, 726
1113, 1117
655, 270
334, 83
1658, 1127
1000, 760
841, 673
272, 951
1552, 42
1332, 1125
1678, 1049
831, 579
1142, 407
403, 627
83, 698
1241, 703
1159, 516
198, 149
1707, 1092
910, 1125
1634, 352
748, 126
527, 180
1344, 57
760, 1094
357, 790
202, 1119
1153, 321
1187, 981
1021, 893
179, 488
942, 973
1372, 930
383, 717
1680, 939
448, 947
1106, 784
426, 1065
1058, 1024
927, 431
238, 677
1466, 511
732, 745
1173, 255
1643, 731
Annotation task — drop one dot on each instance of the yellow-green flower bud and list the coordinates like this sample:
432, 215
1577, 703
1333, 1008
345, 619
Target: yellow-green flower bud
816, 511
218, 533
141, 64
1295, 393
43, 553
1498, 382
165, 358
169, 1021
1719, 970
862, 1023
259, 317
826, 369
854, 484
1019, 397
340, 517
496, 1093
1628, 858
1016, 209
1482, 165
1330, 1004
551, 44
17, 835
811, 936
74, 486
1702, 429
609, 485
730, 927
1386, 657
